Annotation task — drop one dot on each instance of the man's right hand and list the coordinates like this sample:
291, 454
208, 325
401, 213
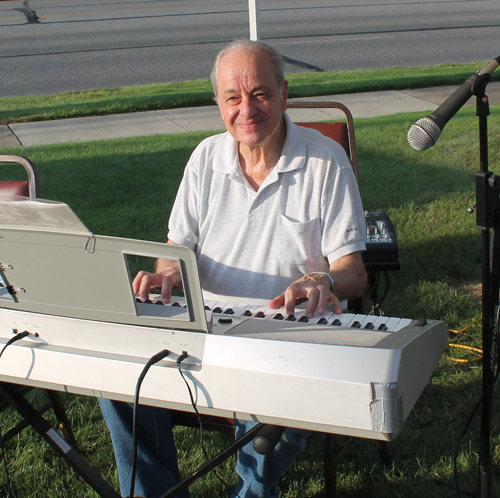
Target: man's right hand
168, 277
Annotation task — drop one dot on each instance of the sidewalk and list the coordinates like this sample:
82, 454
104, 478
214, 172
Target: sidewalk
362, 105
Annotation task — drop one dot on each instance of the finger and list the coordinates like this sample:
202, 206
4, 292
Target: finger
334, 301
136, 283
312, 302
166, 289
144, 287
277, 302
324, 295
290, 300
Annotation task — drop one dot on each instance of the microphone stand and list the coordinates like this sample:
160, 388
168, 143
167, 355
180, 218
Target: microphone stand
487, 219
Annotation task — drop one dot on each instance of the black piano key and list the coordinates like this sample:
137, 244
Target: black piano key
247, 313
382, 326
322, 321
159, 302
278, 316
217, 309
260, 314
207, 308
336, 322
176, 304
303, 319
356, 325
369, 326
290, 318
229, 311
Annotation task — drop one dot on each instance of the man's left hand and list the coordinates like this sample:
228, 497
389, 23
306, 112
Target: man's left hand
314, 287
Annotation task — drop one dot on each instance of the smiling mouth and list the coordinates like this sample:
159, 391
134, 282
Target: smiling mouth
249, 124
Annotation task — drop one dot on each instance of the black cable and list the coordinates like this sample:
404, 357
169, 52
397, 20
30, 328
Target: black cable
17, 337
180, 359
7, 477
154, 359
476, 407
388, 284
376, 306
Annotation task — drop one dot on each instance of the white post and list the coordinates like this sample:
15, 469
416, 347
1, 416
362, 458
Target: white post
253, 14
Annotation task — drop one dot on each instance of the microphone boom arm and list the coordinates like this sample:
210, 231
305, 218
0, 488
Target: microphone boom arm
426, 131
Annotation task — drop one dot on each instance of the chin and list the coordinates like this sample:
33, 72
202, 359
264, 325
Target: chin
251, 138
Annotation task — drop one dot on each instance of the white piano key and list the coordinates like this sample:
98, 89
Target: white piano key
392, 323
324, 319
181, 300
210, 304
298, 314
343, 320
379, 321
240, 308
229, 308
219, 306
249, 308
262, 310
403, 322
365, 322
357, 321
177, 300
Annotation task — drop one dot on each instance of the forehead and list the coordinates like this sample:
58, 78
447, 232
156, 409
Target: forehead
242, 68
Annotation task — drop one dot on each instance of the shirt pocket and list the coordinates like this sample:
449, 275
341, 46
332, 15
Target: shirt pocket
298, 244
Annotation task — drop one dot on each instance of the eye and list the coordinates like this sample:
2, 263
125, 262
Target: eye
233, 100
261, 96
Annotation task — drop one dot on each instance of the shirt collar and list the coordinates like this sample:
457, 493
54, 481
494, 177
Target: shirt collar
293, 155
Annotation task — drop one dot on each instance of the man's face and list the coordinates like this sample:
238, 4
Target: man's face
250, 100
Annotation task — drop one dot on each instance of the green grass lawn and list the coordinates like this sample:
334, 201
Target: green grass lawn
126, 187
199, 93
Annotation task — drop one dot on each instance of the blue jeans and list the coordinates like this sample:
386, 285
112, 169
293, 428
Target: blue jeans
157, 469
258, 473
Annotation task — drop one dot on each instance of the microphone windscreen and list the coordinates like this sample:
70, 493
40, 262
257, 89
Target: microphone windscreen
423, 134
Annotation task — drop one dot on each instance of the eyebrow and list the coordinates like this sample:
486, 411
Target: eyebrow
253, 90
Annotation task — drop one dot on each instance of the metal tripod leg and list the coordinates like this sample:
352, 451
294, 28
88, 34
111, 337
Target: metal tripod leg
214, 462
58, 443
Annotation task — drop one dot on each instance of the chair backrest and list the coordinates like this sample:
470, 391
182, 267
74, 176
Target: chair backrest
26, 188
340, 131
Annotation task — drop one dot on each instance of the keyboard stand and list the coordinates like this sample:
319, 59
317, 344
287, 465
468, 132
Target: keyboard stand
216, 461
85, 470
58, 443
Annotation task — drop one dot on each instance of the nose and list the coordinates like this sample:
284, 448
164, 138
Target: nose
247, 107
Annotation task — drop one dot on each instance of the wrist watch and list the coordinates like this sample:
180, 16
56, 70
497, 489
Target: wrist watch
327, 275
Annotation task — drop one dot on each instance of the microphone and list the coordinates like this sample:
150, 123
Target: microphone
425, 132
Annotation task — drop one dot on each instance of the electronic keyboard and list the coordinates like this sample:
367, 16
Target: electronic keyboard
71, 291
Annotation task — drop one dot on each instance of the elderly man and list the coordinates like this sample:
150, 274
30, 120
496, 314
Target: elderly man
272, 211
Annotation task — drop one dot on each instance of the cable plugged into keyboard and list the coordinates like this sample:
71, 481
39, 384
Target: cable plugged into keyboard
24, 334
17, 337
182, 357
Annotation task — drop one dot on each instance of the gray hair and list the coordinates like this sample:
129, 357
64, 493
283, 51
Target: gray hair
251, 46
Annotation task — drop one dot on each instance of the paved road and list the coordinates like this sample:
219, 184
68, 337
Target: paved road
87, 44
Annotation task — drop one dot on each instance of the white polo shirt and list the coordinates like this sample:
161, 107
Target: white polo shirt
254, 244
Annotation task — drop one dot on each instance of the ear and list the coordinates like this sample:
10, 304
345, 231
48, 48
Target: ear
284, 95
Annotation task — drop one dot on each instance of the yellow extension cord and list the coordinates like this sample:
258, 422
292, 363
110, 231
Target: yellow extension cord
461, 346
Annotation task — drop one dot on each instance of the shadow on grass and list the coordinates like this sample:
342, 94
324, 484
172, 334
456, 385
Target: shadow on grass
421, 457
126, 188
106, 107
